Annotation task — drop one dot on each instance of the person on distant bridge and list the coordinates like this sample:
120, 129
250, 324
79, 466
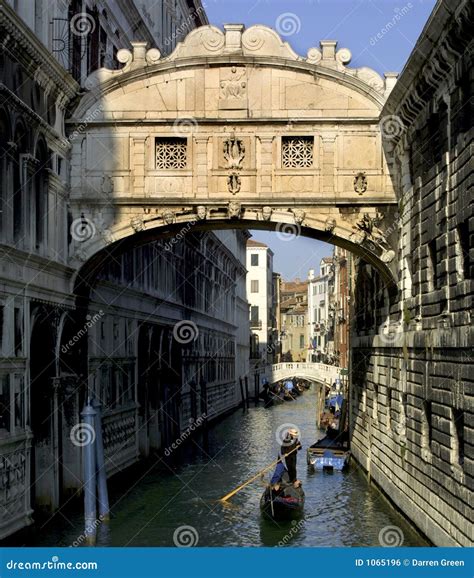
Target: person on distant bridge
290, 443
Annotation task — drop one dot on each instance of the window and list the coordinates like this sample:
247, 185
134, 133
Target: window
301, 341
433, 279
463, 261
254, 259
171, 153
253, 286
297, 151
18, 335
427, 431
5, 401
254, 320
458, 440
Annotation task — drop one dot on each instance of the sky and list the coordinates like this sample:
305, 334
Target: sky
361, 26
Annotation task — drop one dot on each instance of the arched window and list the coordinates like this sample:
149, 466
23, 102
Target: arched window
41, 194
4, 165
21, 148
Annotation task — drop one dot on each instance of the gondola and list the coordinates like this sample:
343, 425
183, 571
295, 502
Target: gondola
287, 505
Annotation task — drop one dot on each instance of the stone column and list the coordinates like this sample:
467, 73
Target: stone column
266, 164
138, 146
201, 177
328, 163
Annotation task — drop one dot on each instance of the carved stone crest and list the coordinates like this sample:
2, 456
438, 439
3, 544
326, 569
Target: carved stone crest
234, 152
107, 185
234, 183
234, 210
360, 183
234, 86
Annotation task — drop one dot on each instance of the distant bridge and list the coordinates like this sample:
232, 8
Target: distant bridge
319, 372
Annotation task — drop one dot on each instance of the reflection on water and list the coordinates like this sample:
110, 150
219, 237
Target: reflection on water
149, 504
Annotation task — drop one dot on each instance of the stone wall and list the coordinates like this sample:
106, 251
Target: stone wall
412, 407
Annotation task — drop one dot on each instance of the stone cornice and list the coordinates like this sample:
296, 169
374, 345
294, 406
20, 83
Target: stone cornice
32, 53
444, 39
61, 143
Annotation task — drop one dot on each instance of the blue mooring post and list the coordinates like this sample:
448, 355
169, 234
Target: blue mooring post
102, 492
90, 511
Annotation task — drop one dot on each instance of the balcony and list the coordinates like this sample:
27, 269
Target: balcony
255, 324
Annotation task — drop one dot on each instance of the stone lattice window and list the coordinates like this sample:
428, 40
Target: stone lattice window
171, 153
297, 151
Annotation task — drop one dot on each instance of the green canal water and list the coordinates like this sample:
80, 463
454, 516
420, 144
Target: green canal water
160, 504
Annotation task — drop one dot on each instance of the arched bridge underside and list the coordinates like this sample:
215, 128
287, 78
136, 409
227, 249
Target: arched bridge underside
233, 129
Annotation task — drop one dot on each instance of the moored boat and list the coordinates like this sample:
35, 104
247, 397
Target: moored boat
329, 454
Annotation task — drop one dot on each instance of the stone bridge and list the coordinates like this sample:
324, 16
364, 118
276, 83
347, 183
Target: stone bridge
233, 129
317, 372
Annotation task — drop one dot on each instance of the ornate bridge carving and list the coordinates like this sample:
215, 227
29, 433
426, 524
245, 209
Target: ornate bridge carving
233, 129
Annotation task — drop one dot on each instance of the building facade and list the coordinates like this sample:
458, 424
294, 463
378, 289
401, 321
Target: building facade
260, 295
294, 320
320, 322
412, 374
48, 49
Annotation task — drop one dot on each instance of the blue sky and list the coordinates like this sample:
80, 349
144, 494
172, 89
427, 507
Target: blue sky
355, 24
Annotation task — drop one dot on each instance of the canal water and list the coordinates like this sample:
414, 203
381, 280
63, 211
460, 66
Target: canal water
164, 504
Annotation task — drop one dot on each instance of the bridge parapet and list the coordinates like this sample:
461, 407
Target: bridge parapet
319, 372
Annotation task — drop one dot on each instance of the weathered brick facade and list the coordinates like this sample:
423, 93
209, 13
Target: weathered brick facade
412, 389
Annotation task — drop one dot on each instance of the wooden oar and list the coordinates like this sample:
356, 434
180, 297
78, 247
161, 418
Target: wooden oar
272, 465
275, 395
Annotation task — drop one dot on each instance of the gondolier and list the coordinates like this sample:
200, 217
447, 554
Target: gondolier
290, 443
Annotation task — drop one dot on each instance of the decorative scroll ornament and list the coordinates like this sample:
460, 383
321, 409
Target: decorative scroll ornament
168, 217
360, 183
267, 213
234, 152
234, 183
201, 212
367, 232
234, 210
